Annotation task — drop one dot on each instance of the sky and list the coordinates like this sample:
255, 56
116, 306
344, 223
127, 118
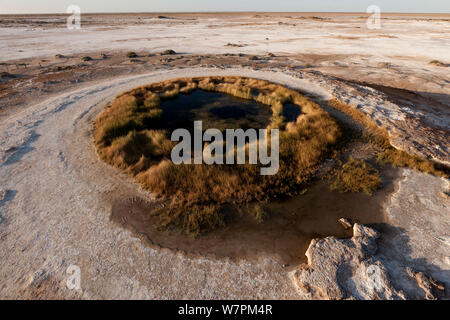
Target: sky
59, 6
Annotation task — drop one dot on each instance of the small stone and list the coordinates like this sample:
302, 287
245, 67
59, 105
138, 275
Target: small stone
168, 52
340, 269
345, 223
131, 54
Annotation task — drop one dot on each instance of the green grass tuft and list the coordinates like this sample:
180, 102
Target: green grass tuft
260, 213
356, 176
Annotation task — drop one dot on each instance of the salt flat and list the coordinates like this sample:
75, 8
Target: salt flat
53, 189
419, 38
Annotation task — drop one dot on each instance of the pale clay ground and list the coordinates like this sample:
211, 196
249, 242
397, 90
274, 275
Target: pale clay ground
52, 186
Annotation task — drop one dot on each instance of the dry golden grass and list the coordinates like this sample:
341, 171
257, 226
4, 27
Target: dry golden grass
375, 133
124, 115
192, 219
398, 158
129, 136
356, 176
379, 136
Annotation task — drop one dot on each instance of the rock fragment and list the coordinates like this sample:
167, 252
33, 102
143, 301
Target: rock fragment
352, 269
344, 222
432, 288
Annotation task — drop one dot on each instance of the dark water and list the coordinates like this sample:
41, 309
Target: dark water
216, 110
291, 112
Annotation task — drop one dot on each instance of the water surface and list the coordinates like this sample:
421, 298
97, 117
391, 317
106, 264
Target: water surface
216, 110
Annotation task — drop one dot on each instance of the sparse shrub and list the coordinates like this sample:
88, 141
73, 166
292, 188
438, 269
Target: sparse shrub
356, 176
398, 158
259, 213
234, 45
168, 52
192, 219
6, 75
386, 65
438, 63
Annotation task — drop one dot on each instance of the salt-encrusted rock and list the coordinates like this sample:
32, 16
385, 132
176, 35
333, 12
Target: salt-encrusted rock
345, 269
352, 269
362, 231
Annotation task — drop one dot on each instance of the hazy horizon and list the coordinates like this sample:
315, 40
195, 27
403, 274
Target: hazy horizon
206, 6
212, 12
